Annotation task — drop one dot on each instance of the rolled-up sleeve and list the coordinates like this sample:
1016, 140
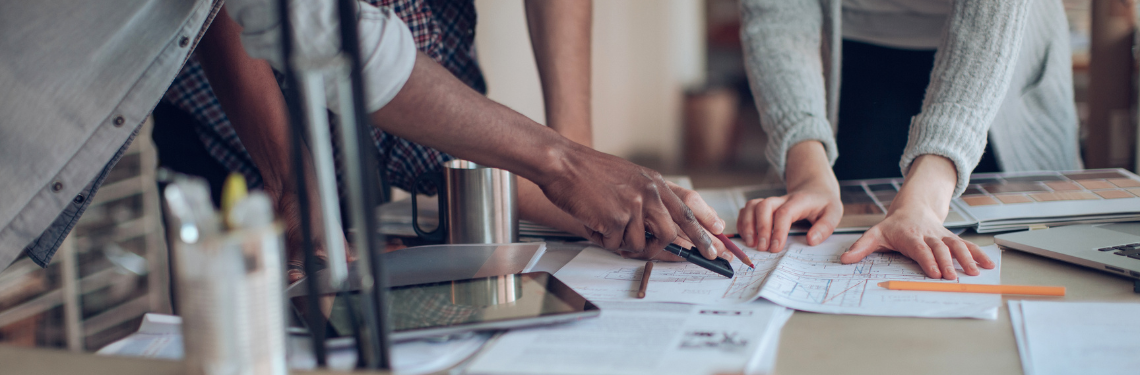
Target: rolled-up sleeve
387, 50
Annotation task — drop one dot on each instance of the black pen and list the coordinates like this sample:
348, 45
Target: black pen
718, 265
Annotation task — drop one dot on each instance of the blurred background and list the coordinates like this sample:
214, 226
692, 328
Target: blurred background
669, 92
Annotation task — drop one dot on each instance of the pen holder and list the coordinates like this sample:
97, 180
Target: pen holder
230, 295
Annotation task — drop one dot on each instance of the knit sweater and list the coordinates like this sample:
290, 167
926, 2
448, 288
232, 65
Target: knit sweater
1002, 68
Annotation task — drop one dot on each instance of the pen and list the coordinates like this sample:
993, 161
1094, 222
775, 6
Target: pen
718, 265
975, 288
732, 248
645, 279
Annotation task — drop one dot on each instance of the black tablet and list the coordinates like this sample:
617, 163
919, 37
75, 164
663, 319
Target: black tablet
480, 304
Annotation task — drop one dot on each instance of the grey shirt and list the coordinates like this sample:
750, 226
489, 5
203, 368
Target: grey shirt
77, 79
1002, 68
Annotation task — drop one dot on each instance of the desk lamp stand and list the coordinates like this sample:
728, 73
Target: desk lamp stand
305, 81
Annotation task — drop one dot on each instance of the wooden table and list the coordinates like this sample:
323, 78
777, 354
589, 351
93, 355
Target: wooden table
846, 344
810, 343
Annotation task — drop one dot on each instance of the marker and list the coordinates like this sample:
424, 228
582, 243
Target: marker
732, 248
645, 279
718, 264
1029, 290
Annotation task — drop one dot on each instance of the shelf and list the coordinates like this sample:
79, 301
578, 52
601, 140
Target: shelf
116, 315
54, 298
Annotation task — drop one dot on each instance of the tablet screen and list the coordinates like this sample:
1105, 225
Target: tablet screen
473, 304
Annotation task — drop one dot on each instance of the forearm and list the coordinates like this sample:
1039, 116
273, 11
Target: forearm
437, 110
248, 92
560, 36
782, 40
808, 164
971, 74
929, 186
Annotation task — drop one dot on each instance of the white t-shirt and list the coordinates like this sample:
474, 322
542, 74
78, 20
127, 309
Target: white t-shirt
909, 24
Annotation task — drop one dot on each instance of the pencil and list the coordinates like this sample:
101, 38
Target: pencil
645, 279
975, 288
735, 250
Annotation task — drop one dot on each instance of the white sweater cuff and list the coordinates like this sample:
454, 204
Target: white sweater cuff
807, 128
939, 130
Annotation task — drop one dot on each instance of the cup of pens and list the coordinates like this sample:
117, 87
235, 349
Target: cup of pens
229, 278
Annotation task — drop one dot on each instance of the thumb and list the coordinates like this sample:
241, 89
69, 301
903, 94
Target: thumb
866, 245
824, 226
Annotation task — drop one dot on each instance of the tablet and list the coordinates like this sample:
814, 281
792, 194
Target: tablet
488, 303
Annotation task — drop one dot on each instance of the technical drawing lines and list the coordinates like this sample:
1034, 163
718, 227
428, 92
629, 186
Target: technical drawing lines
685, 274
819, 278
746, 283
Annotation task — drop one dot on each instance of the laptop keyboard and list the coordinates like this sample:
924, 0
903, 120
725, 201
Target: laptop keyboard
1130, 250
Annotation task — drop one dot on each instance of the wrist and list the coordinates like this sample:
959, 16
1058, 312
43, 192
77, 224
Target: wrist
552, 158
929, 186
808, 166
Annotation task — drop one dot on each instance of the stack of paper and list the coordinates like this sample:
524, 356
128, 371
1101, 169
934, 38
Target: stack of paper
645, 338
802, 277
1076, 337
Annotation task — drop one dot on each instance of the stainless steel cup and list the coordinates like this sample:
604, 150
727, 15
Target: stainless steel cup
477, 204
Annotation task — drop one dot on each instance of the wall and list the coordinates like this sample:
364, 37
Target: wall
645, 53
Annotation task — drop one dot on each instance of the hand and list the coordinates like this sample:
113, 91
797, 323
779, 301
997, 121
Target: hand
919, 235
914, 224
710, 223
813, 194
617, 202
287, 209
765, 223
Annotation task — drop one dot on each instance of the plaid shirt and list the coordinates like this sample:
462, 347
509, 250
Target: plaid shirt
443, 29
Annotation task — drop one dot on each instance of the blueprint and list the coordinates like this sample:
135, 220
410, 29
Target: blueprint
802, 277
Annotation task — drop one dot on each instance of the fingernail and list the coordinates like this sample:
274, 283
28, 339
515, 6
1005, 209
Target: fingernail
775, 246
762, 244
718, 227
814, 238
747, 238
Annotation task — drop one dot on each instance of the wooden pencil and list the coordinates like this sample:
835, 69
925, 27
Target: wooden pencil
645, 279
732, 248
975, 288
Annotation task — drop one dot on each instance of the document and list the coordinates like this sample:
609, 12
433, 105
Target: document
1076, 337
644, 338
802, 277
160, 336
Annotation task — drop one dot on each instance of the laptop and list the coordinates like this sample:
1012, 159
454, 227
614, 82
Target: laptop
1113, 248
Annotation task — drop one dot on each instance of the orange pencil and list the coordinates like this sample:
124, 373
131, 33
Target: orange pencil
975, 288
735, 250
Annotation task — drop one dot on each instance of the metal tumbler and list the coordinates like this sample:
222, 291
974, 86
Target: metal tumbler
477, 204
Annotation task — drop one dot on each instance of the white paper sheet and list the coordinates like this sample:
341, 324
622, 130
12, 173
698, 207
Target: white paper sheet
1019, 334
160, 336
598, 274
644, 338
801, 277
1078, 337
812, 279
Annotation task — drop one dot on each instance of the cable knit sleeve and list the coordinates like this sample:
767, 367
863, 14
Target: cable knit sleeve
972, 72
782, 40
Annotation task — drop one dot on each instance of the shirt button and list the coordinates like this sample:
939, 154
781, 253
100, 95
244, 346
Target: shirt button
56, 187
119, 121
184, 42
79, 199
